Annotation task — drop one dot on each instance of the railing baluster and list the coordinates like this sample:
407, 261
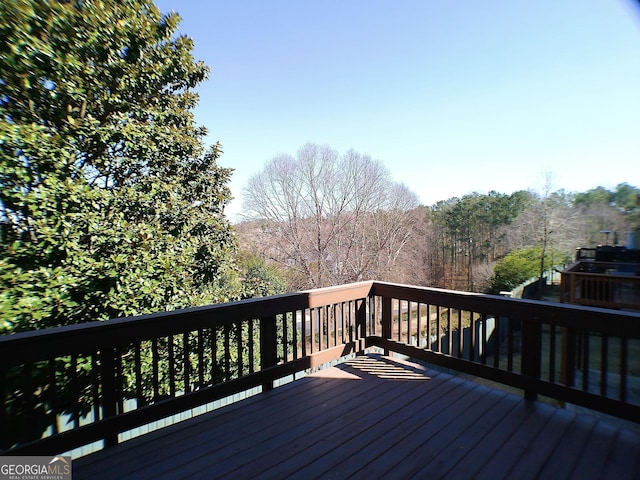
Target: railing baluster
449, 333
312, 320
624, 352
227, 353
460, 334
409, 341
552, 353
510, 344
285, 338
438, 342
333, 318
52, 396
95, 386
320, 320
186, 362
214, 355
604, 363
251, 340
343, 336
73, 383
496, 341
373, 327
109, 400
137, 360
239, 349
472, 336
585, 361
327, 326
387, 315
200, 358
303, 331
155, 359
418, 325
172, 366
119, 381
399, 318
483, 337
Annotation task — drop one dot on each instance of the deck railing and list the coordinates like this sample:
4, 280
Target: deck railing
602, 284
105, 378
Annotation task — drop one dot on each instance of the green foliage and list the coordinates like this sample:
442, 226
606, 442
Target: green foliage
598, 195
515, 268
521, 265
471, 230
627, 199
260, 278
109, 204
624, 197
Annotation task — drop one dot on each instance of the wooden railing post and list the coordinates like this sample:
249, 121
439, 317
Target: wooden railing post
268, 354
109, 393
386, 320
531, 354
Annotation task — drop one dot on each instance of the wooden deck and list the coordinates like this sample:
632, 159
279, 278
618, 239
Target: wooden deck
375, 417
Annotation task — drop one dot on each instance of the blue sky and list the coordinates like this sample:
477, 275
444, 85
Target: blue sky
453, 97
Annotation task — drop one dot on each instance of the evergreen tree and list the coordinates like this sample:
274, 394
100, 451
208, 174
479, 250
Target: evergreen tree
109, 203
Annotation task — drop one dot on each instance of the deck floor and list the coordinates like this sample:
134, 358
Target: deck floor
375, 417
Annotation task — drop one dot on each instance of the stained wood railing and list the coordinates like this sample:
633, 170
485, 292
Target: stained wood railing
581, 355
602, 284
106, 378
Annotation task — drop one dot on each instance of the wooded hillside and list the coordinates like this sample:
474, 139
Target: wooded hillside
457, 242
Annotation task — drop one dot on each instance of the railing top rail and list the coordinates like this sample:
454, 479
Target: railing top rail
92, 336
613, 322
575, 268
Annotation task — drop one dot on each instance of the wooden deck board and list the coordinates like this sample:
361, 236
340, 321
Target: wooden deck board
230, 440
374, 417
346, 462
504, 459
597, 450
569, 451
496, 438
421, 450
468, 442
382, 425
434, 434
347, 422
534, 458
624, 458
297, 435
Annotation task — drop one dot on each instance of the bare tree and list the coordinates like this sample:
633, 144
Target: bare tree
329, 218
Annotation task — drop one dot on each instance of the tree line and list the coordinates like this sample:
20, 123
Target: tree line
321, 212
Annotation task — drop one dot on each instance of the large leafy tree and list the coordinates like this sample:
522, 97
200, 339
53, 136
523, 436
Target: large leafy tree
328, 218
109, 203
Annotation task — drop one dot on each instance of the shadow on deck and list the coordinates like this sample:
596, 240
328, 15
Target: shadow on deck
377, 417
